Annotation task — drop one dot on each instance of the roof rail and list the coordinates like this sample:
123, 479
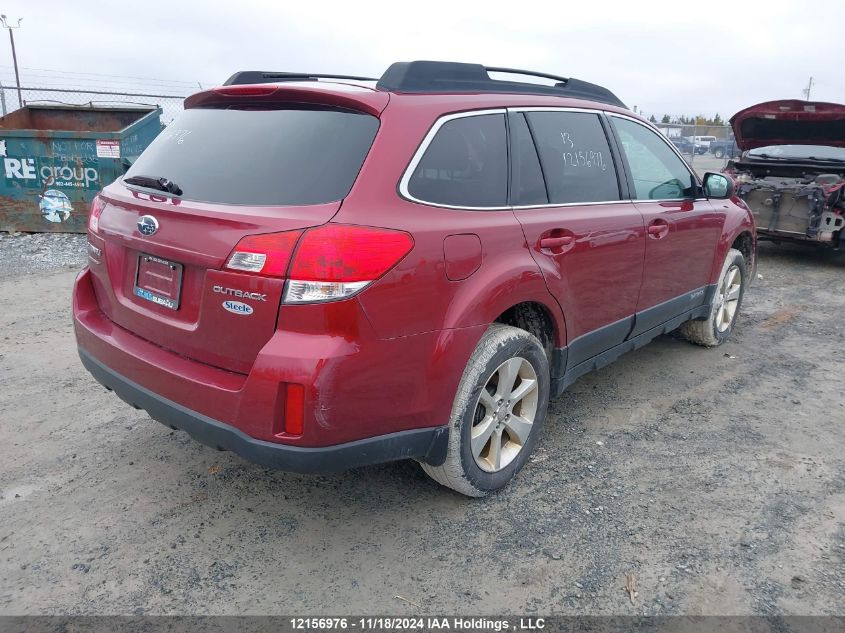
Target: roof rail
430, 76
262, 77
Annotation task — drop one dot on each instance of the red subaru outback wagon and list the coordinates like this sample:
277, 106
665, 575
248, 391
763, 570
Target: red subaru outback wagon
322, 272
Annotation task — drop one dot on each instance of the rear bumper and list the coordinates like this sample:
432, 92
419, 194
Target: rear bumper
366, 399
428, 444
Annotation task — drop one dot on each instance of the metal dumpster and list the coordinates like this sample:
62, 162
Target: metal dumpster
57, 157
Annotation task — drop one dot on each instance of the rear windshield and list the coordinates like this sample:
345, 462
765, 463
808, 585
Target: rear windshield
293, 156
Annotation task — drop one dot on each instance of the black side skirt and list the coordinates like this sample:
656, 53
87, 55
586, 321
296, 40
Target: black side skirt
644, 327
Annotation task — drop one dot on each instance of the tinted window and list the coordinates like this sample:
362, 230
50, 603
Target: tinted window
466, 164
657, 171
576, 158
261, 157
527, 186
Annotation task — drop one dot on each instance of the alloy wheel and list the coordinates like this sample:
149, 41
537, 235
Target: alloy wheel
504, 414
728, 299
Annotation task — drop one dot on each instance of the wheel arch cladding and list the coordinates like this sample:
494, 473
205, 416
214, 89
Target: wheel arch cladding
744, 243
535, 318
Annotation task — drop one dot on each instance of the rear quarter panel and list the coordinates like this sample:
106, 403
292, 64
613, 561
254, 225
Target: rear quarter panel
417, 295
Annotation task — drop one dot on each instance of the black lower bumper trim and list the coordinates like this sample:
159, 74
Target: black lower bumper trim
428, 444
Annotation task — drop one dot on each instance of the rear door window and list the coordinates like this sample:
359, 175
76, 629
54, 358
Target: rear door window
465, 165
290, 156
575, 156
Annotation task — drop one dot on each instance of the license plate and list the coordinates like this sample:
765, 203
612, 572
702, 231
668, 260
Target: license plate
158, 280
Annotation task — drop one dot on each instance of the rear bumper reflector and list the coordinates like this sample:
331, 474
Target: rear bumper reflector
294, 409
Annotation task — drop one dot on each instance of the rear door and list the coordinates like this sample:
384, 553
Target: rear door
161, 269
587, 239
682, 226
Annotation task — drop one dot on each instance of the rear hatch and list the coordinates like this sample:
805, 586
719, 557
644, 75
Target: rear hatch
230, 167
790, 122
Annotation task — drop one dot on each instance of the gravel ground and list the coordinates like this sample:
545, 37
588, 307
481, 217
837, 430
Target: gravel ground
40, 252
715, 477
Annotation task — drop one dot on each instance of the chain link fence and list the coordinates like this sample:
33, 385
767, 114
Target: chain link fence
11, 99
706, 147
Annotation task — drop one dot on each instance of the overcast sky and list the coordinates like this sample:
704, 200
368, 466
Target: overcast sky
664, 57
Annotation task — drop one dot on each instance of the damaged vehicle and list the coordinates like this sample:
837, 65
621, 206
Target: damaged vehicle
407, 267
791, 172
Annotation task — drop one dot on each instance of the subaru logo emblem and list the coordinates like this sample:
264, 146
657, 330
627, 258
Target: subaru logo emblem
147, 225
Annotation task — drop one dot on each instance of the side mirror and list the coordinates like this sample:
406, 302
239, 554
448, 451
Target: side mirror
718, 186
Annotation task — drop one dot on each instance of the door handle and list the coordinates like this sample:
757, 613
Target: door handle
556, 242
658, 229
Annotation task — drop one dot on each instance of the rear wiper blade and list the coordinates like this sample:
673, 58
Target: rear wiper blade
151, 182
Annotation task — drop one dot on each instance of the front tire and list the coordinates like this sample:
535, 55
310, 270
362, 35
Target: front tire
717, 327
497, 414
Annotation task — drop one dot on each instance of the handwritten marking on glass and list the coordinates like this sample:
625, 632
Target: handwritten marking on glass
581, 157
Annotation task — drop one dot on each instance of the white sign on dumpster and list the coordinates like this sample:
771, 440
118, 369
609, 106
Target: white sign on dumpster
107, 148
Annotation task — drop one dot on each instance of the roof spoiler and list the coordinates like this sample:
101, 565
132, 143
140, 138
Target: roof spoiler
262, 77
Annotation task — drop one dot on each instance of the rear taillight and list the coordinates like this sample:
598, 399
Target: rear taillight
266, 254
335, 261
97, 206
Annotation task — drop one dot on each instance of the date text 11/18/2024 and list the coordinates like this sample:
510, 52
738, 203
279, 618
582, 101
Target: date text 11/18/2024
412, 623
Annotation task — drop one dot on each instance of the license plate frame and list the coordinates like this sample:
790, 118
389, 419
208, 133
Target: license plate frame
172, 299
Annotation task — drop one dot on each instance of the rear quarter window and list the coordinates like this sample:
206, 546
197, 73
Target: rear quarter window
465, 165
243, 156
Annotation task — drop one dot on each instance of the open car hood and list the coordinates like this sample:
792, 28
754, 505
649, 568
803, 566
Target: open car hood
790, 122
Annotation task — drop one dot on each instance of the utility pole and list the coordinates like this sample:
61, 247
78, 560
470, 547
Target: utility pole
11, 28
807, 90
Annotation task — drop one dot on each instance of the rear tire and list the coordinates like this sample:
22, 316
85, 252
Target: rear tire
498, 412
717, 327
719, 153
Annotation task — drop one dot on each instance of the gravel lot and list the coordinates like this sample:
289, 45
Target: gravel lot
716, 477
